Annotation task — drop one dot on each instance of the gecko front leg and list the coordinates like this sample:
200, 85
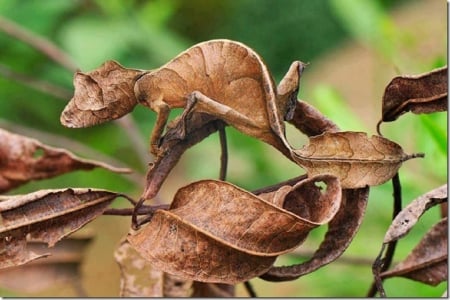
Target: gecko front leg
162, 110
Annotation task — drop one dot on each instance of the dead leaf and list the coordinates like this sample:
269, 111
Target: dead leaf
101, 95
172, 149
424, 93
341, 230
310, 121
47, 216
427, 262
409, 216
237, 235
355, 159
203, 258
23, 159
62, 266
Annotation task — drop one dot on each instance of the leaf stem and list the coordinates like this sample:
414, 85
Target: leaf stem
36, 84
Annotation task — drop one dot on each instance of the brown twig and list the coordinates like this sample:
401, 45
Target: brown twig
250, 290
39, 85
143, 210
224, 153
379, 267
377, 285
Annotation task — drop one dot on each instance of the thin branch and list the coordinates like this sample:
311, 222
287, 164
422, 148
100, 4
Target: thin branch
397, 193
224, 153
377, 285
385, 263
39, 85
39, 43
250, 290
143, 210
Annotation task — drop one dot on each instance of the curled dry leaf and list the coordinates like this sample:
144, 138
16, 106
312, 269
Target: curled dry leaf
237, 235
23, 159
409, 216
427, 262
47, 216
425, 93
62, 266
341, 230
354, 158
102, 95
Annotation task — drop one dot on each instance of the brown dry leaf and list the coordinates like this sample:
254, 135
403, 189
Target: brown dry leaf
101, 95
23, 159
353, 157
427, 262
409, 216
341, 230
140, 279
310, 121
61, 267
237, 235
47, 216
424, 93
172, 150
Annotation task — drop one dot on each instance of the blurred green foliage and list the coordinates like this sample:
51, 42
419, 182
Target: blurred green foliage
145, 34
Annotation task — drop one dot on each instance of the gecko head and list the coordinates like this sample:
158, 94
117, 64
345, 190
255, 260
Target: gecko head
101, 95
